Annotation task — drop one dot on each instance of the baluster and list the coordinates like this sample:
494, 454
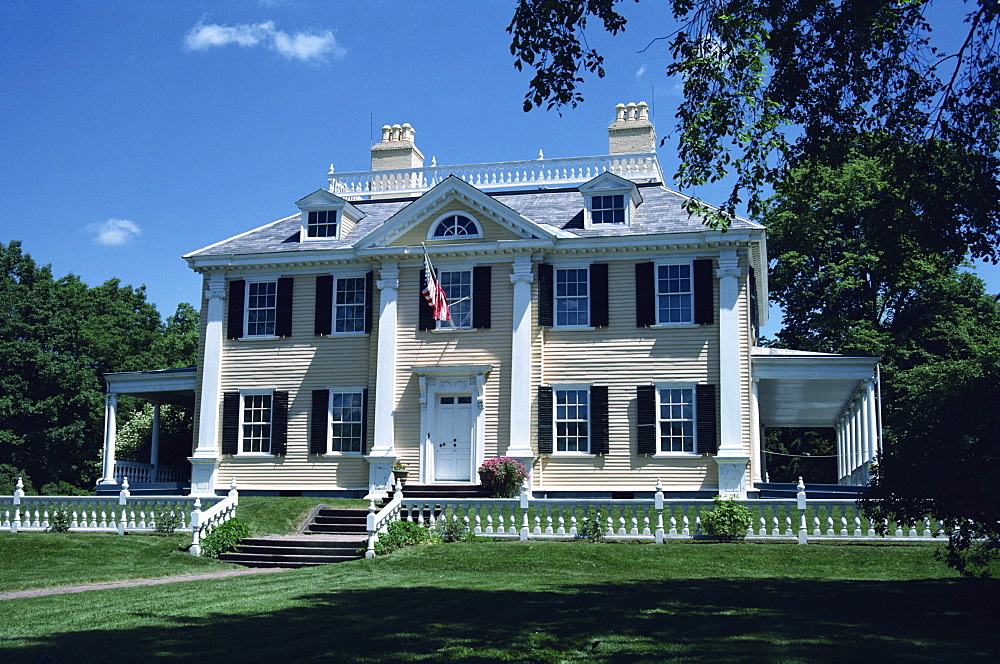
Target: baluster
478, 520
548, 520
927, 527
561, 511
857, 521
843, 520
788, 521
913, 530
673, 521
610, 524
829, 520
572, 520
645, 522
899, 531
538, 520
817, 526
489, 521
685, 521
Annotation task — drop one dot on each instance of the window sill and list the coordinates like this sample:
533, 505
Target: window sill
258, 337
452, 330
254, 455
574, 328
341, 455
675, 326
338, 335
573, 455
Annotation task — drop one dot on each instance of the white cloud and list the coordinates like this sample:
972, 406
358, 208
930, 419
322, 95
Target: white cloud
307, 46
640, 71
114, 232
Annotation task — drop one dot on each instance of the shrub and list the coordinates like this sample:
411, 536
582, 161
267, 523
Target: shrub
592, 526
502, 476
728, 520
63, 488
59, 520
454, 529
8, 480
400, 534
225, 537
166, 521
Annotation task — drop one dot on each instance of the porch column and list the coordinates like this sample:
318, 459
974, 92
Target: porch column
731, 458
383, 452
841, 463
757, 454
872, 419
205, 460
110, 435
856, 426
520, 364
154, 442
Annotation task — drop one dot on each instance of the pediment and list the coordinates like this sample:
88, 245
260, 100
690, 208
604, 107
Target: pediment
411, 225
323, 199
609, 182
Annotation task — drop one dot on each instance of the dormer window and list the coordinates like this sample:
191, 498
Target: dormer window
609, 201
454, 225
322, 223
607, 209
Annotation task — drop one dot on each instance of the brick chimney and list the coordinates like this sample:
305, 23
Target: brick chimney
631, 131
396, 150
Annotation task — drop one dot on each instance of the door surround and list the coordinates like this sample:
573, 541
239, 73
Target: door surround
452, 379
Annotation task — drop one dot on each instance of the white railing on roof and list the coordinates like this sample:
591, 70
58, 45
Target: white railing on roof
511, 175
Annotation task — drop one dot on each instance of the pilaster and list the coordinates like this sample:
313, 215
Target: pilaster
205, 460
520, 364
383, 453
731, 458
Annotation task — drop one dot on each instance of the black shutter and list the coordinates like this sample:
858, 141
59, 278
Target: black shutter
324, 305
279, 423
706, 420
369, 300
283, 308
545, 294
364, 421
544, 419
754, 305
645, 295
231, 423
645, 419
599, 295
599, 419
704, 306
319, 426
482, 290
426, 313
237, 291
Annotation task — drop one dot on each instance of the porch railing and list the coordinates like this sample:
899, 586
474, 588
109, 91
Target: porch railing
655, 519
147, 473
378, 522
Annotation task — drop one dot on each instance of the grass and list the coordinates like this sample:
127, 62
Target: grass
282, 516
539, 602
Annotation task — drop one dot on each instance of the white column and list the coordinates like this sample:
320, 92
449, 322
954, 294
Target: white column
839, 429
856, 428
110, 435
872, 418
758, 460
154, 442
205, 460
383, 452
731, 458
520, 363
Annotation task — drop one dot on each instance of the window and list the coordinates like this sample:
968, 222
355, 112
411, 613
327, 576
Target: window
261, 308
607, 209
676, 419
673, 293
572, 296
321, 223
457, 285
346, 421
455, 225
255, 422
349, 307
572, 420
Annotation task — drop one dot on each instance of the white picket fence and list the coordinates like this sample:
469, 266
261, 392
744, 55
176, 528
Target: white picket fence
656, 519
120, 514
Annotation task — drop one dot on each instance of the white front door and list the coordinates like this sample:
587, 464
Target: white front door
451, 438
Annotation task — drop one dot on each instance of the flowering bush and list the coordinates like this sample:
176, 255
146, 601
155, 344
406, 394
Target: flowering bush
399, 465
503, 476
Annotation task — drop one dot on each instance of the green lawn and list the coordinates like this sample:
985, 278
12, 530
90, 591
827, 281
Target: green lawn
538, 602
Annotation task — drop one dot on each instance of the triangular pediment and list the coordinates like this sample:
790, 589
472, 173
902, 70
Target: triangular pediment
321, 199
411, 225
611, 183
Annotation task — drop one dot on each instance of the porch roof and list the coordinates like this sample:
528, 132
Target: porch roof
173, 386
804, 389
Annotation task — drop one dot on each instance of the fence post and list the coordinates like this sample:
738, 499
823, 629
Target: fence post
800, 503
233, 493
658, 506
524, 511
372, 535
15, 523
195, 548
123, 497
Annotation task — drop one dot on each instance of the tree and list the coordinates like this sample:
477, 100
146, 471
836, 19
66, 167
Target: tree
57, 336
768, 81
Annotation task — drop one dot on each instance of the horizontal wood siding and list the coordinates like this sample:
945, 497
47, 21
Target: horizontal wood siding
492, 231
298, 364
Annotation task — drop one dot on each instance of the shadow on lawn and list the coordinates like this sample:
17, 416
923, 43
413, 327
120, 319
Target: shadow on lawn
711, 620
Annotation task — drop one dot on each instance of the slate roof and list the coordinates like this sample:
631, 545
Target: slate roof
661, 211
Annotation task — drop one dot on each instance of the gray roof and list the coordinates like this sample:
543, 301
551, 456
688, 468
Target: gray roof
661, 211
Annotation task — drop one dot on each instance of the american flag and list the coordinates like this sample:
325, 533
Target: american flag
433, 292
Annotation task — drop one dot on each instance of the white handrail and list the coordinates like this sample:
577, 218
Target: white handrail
203, 523
379, 522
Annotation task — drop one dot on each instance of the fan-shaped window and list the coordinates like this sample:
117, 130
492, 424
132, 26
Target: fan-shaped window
455, 225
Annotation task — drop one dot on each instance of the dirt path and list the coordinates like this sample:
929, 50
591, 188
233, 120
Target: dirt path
39, 592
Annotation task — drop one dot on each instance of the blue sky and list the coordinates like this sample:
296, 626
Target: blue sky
132, 133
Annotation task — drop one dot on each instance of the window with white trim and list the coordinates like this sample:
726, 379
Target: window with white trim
607, 209
457, 285
261, 308
346, 421
455, 225
572, 296
676, 419
321, 224
256, 414
674, 293
571, 417
349, 305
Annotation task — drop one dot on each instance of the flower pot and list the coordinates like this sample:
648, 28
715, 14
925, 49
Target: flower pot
399, 476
